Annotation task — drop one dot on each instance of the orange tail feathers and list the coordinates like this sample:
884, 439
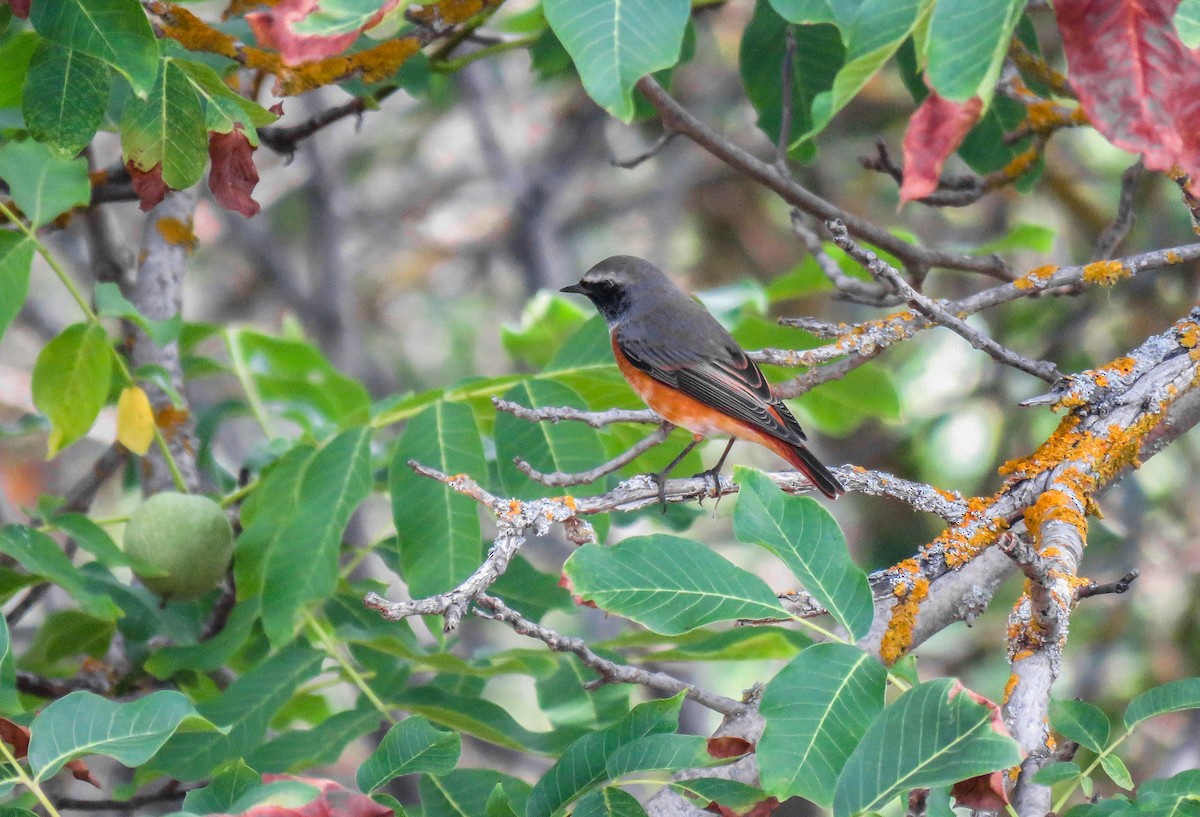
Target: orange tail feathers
807, 463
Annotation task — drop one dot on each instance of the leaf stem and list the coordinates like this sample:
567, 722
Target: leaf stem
27, 781
454, 65
234, 345
1108, 750
351, 672
92, 317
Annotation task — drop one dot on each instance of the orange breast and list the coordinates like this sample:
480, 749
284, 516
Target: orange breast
687, 412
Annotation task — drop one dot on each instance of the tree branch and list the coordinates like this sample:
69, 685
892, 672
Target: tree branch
490, 607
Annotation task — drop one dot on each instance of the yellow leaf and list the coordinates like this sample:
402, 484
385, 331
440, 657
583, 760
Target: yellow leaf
135, 420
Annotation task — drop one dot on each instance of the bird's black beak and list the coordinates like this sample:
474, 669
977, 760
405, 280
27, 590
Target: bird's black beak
577, 288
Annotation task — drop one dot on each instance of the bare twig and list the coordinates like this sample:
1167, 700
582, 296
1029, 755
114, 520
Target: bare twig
935, 312
1118, 587
1115, 233
848, 287
494, 609
788, 80
558, 479
655, 148
675, 117
595, 419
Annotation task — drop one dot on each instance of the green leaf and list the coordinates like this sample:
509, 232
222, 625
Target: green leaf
115, 31
219, 796
65, 637
298, 749
1183, 784
438, 530
83, 723
806, 537
1115, 768
481, 718
43, 184
733, 794
546, 322
1081, 722
609, 801
530, 590
614, 43
872, 31
297, 562
296, 377
1172, 697
96, 541
582, 765
968, 44
816, 709
9, 702
15, 53
41, 555
16, 258
930, 736
819, 54
411, 746
71, 381
1187, 22
659, 752
467, 792
111, 303
548, 447
64, 98
499, 804
246, 707
567, 704
224, 109
1057, 773
807, 11
167, 128
668, 584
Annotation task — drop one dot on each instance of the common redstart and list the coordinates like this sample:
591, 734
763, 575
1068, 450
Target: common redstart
689, 369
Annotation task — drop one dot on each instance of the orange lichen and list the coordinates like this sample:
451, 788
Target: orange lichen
1036, 278
176, 232
898, 638
171, 420
1010, 686
1105, 273
514, 507
1020, 164
194, 34
1173, 257
569, 501
1189, 335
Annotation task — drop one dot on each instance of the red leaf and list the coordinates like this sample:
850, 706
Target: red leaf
148, 184
1137, 82
729, 746
16, 736
20, 8
233, 174
983, 793
934, 132
80, 771
334, 800
763, 808
274, 28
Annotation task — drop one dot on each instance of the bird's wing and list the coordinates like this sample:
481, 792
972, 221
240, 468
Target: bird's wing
724, 379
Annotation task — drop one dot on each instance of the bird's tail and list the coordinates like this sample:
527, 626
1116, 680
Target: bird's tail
808, 464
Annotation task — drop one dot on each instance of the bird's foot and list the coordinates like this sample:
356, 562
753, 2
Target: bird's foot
712, 485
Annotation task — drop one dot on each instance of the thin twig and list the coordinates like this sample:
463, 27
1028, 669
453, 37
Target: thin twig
595, 419
884, 271
785, 113
677, 118
848, 287
1121, 585
557, 479
492, 608
655, 148
1115, 233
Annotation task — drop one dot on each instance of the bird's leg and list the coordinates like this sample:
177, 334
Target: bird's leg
660, 477
715, 472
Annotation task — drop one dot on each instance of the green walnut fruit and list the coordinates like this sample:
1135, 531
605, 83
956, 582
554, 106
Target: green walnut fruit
185, 538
